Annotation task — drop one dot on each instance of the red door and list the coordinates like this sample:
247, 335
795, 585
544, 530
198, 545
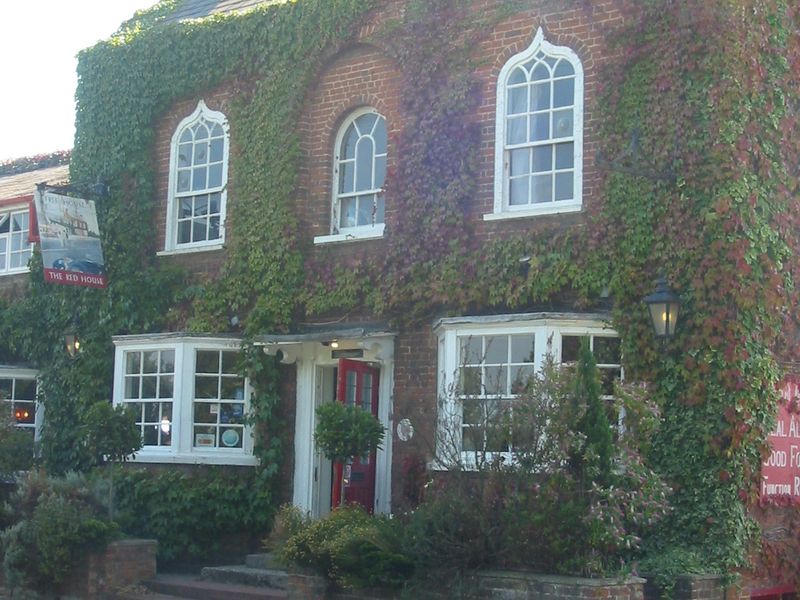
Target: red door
357, 385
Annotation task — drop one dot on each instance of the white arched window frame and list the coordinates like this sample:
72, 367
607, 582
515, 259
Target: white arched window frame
539, 133
359, 171
198, 176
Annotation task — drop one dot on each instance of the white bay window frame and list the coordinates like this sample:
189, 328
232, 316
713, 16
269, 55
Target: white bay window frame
547, 329
15, 244
182, 448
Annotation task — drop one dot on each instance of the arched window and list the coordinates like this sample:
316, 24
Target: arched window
359, 172
198, 174
539, 132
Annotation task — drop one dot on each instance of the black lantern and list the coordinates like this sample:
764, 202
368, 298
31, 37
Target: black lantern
663, 305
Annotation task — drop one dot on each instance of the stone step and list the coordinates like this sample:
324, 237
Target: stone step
190, 586
271, 578
265, 560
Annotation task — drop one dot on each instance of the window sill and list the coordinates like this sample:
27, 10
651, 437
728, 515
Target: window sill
246, 460
14, 272
365, 233
533, 212
191, 249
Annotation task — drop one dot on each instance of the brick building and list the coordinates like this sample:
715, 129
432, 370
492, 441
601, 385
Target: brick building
538, 68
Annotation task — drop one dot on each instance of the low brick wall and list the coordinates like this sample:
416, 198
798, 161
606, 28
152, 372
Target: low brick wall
123, 563
498, 585
698, 587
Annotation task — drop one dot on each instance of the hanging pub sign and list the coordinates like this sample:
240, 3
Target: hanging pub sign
780, 472
69, 238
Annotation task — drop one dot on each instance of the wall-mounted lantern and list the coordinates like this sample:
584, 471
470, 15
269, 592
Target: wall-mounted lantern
72, 343
664, 305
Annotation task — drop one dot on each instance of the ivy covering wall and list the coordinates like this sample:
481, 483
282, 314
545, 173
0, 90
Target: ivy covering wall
709, 198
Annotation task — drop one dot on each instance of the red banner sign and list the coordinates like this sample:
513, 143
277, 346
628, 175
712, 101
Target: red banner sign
780, 472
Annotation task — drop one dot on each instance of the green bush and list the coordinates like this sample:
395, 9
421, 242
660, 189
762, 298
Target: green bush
56, 524
351, 548
193, 515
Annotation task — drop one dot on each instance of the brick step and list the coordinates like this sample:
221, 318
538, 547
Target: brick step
265, 560
244, 575
190, 586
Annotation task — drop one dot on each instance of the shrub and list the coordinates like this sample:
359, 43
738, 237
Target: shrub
57, 522
193, 515
16, 445
351, 548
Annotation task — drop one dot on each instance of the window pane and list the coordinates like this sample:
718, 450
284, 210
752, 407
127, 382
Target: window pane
379, 134
132, 387
25, 413
607, 350
565, 156
540, 127
232, 388
216, 131
186, 136
518, 100
165, 386
213, 228
217, 146
200, 153
150, 437
519, 191
214, 202
570, 346
564, 69
199, 230
562, 123
149, 387
519, 377
496, 349
184, 232
350, 389
348, 150
365, 123
199, 178
540, 96
25, 389
542, 159
205, 437
517, 130
470, 351
540, 72
564, 186
543, 188
347, 176
471, 381
132, 362
496, 380
231, 413
167, 361
200, 132
518, 75
563, 92
205, 412
607, 379
206, 386
150, 362
366, 392
183, 181
215, 176
151, 412
365, 152
365, 207
520, 162
348, 213
522, 347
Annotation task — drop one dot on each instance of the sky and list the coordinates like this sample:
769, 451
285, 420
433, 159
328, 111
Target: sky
39, 42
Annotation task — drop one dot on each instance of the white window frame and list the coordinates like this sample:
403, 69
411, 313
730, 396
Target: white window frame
171, 245
8, 212
15, 373
359, 232
501, 208
547, 328
182, 449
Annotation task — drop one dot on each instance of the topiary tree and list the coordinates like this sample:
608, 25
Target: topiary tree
344, 432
